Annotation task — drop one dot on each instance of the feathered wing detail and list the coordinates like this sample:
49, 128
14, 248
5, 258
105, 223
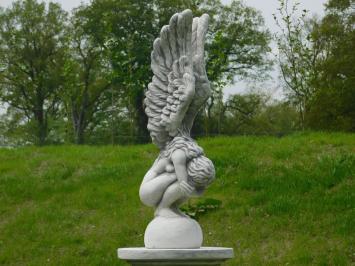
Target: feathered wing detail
202, 84
173, 85
180, 85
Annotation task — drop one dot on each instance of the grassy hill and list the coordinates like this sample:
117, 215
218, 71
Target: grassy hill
284, 201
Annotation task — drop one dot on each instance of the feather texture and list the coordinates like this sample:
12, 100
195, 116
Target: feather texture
170, 102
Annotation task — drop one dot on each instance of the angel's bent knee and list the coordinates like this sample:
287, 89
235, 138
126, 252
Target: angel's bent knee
146, 194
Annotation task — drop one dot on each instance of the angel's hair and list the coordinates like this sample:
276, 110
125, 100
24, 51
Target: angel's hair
200, 171
184, 143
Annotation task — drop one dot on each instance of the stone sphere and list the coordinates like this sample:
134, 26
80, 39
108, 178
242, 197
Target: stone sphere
173, 232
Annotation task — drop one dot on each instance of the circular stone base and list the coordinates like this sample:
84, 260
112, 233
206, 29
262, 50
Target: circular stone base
173, 257
173, 232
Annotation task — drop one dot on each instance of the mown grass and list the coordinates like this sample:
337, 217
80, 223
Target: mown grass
285, 201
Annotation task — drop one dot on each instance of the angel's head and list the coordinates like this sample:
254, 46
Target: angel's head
200, 171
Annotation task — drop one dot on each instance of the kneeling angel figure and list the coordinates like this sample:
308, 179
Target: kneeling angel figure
178, 89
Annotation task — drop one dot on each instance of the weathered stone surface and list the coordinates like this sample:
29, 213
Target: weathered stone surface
178, 89
177, 232
202, 256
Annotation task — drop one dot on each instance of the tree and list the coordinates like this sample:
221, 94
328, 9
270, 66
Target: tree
241, 110
237, 48
255, 113
276, 118
32, 47
332, 107
298, 55
125, 30
236, 44
87, 76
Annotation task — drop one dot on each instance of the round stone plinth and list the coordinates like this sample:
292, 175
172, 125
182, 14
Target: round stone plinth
173, 257
173, 232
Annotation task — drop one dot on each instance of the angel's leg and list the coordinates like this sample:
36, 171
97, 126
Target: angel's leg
176, 204
172, 198
152, 191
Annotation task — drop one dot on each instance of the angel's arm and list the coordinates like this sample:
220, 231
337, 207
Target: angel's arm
157, 168
179, 161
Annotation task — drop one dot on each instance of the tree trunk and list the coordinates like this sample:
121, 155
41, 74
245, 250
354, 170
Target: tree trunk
42, 132
141, 119
79, 128
79, 135
80, 123
41, 125
209, 116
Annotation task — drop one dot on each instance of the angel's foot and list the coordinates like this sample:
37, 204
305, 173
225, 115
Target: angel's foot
179, 212
166, 212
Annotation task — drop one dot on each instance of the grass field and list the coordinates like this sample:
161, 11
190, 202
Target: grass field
285, 201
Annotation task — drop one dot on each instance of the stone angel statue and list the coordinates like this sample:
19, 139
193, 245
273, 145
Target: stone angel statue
178, 89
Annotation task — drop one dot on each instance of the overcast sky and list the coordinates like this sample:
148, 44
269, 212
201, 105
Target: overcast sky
267, 7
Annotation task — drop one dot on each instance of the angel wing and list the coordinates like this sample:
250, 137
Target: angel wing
202, 84
171, 102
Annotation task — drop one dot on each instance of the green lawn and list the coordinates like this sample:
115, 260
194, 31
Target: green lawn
285, 201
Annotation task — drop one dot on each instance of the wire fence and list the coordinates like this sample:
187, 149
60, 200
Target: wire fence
124, 139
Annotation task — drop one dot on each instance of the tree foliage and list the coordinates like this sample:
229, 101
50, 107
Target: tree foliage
82, 77
237, 43
332, 107
32, 48
316, 62
87, 75
298, 55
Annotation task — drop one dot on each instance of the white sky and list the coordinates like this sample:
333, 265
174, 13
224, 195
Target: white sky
267, 7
